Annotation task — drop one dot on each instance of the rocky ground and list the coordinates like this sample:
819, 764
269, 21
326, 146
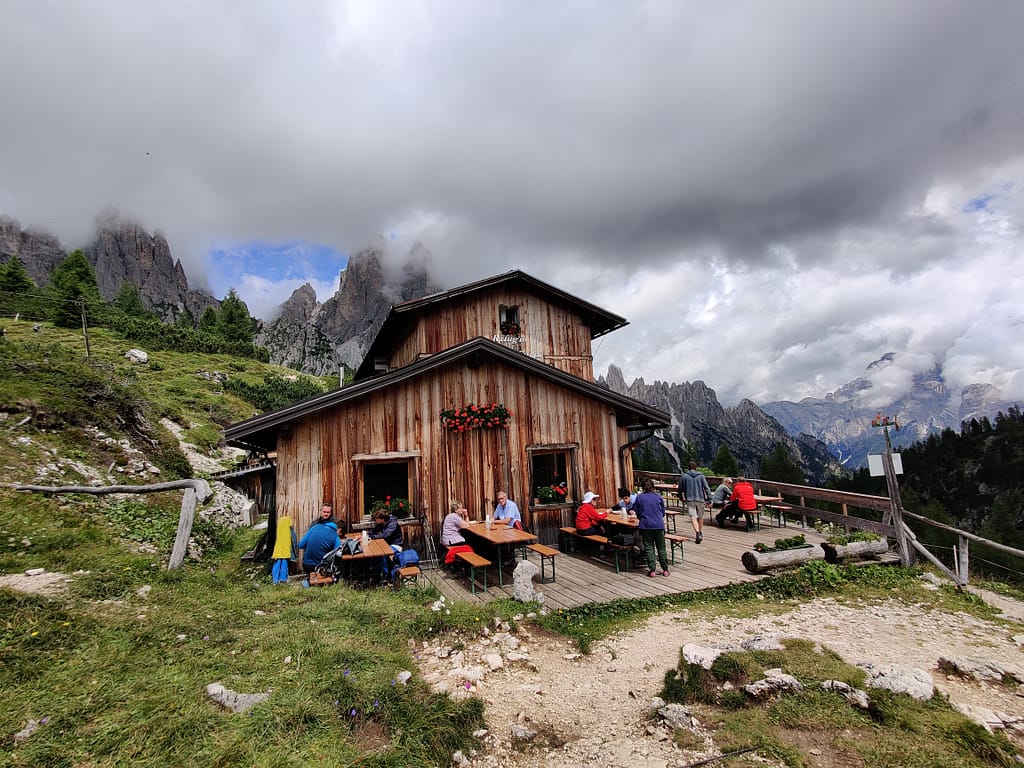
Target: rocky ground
594, 709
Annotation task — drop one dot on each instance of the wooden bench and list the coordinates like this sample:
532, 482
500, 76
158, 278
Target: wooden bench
474, 561
778, 513
675, 540
568, 538
671, 513
407, 575
547, 555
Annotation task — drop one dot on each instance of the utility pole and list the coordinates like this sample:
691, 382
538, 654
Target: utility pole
896, 504
85, 328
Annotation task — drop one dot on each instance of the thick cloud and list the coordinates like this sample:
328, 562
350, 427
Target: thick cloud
774, 194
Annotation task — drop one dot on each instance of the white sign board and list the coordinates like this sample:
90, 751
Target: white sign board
875, 464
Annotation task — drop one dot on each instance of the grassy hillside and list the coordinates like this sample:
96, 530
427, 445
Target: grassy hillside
115, 666
112, 668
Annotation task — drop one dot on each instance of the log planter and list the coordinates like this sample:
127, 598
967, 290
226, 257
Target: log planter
855, 550
758, 562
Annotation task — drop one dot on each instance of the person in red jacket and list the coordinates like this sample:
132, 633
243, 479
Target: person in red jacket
589, 521
743, 496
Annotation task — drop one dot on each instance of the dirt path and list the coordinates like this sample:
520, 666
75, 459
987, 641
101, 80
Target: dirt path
591, 710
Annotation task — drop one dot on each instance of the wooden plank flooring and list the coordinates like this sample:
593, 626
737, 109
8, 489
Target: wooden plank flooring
582, 578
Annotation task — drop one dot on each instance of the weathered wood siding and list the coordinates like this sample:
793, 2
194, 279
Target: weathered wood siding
549, 333
318, 459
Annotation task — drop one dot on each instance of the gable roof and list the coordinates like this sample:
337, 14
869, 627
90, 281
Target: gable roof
262, 430
403, 315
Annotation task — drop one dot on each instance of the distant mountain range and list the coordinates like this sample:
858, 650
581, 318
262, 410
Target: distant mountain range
842, 419
320, 337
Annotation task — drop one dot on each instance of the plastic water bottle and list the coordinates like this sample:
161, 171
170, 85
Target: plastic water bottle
487, 522
366, 539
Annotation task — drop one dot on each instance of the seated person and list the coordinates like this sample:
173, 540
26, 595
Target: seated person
625, 502
507, 511
386, 527
720, 497
451, 532
321, 538
745, 504
454, 522
588, 518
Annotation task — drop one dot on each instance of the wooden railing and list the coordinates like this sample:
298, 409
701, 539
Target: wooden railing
798, 497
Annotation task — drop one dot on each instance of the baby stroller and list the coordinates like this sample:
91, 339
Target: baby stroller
329, 570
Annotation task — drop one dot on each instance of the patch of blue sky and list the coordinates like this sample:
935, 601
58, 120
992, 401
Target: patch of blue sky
980, 203
265, 274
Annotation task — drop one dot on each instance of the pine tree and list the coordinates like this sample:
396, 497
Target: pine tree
779, 466
129, 302
234, 322
209, 322
72, 282
14, 278
725, 464
16, 289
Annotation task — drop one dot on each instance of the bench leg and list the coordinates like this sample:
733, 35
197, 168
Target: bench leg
473, 583
544, 559
672, 550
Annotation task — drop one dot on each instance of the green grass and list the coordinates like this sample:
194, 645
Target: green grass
119, 675
120, 678
897, 731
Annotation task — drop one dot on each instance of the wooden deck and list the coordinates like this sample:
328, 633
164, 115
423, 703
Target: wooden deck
581, 578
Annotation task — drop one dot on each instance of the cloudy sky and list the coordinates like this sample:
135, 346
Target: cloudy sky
775, 193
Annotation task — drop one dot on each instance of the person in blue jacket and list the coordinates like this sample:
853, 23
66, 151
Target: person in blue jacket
386, 527
320, 539
650, 512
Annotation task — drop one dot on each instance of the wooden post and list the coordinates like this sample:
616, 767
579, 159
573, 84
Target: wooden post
895, 513
963, 560
85, 328
197, 490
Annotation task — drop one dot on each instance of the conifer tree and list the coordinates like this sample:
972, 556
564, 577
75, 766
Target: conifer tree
725, 464
209, 322
129, 302
74, 281
16, 288
234, 322
779, 465
13, 277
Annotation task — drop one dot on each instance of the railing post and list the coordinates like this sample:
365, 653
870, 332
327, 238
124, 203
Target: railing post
963, 560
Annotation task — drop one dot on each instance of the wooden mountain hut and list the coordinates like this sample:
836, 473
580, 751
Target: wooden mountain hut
464, 393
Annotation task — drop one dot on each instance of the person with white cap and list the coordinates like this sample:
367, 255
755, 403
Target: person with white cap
588, 518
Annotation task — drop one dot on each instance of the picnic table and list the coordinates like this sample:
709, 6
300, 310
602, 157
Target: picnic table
499, 536
372, 550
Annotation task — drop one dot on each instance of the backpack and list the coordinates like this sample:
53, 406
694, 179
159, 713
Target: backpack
350, 547
402, 559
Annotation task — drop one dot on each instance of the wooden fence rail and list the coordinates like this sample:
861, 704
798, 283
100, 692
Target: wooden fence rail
857, 501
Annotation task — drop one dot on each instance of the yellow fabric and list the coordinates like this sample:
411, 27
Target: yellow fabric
283, 543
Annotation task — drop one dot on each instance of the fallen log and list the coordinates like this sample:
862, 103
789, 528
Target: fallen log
196, 490
756, 562
835, 553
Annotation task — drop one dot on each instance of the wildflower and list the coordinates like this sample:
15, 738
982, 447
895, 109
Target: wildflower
34, 634
352, 713
345, 673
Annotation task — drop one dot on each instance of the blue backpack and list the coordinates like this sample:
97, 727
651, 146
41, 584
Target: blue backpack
404, 558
